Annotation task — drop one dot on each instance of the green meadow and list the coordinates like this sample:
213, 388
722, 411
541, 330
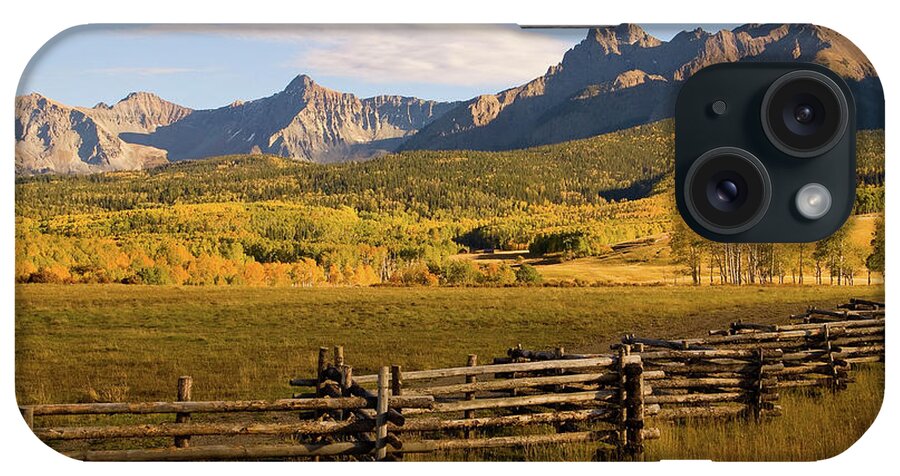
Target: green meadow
90, 343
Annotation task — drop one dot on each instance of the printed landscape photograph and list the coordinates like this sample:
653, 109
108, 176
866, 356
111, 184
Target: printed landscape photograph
421, 243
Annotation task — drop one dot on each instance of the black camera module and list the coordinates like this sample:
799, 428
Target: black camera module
804, 113
779, 166
727, 190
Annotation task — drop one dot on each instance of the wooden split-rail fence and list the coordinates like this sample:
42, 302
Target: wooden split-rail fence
740, 370
597, 401
606, 401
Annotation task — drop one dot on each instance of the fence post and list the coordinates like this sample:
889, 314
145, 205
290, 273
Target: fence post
396, 380
836, 383
338, 356
515, 392
339, 365
346, 380
471, 361
622, 417
634, 374
184, 395
381, 411
321, 365
345, 383
760, 389
397, 390
559, 353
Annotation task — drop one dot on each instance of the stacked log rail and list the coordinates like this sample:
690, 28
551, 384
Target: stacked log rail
597, 401
584, 400
822, 348
854, 310
701, 383
739, 370
813, 354
186, 424
723, 382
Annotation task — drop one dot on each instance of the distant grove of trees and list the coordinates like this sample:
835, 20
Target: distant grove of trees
260, 220
284, 244
836, 260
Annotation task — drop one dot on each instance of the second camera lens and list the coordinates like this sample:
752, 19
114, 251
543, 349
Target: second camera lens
804, 113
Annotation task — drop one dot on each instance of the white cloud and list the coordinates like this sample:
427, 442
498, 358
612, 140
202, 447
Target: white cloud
464, 55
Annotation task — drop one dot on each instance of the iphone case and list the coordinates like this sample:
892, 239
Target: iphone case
336, 242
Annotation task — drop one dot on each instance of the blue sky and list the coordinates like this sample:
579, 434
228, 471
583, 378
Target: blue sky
205, 66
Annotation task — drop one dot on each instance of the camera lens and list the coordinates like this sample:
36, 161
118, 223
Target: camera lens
727, 190
804, 113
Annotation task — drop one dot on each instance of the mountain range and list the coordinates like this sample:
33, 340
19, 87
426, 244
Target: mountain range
617, 77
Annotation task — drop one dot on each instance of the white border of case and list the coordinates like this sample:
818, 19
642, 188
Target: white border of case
27, 25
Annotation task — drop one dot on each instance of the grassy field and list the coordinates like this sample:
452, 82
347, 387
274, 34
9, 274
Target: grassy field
120, 342
816, 424
130, 343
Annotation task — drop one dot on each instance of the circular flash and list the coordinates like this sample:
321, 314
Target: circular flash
813, 201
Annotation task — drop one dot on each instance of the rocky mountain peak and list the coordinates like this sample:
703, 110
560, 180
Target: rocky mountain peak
137, 112
32, 98
140, 97
55, 138
690, 36
144, 101
616, 77
611, 38
621, 76
301, 82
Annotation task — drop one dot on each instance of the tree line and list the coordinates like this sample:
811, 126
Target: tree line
835, 260
431, 184
401, 219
